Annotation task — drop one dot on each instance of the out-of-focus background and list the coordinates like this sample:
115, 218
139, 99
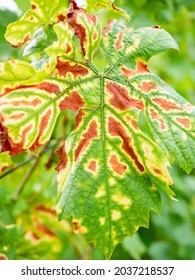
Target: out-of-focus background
28, 225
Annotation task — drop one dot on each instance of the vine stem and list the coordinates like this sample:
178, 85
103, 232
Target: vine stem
26, 178
30, 171
17, 166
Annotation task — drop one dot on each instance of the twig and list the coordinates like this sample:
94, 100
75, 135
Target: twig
26, 178
27, 160
17, 166
30, 171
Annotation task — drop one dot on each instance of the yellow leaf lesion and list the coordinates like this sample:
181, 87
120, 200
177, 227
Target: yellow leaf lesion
115, 215
124, 201
101, 192
78, 228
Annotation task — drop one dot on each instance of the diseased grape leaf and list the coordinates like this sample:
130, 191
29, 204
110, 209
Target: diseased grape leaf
41, 14
110, 171
108, 5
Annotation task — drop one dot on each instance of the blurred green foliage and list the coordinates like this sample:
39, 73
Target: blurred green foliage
29, 225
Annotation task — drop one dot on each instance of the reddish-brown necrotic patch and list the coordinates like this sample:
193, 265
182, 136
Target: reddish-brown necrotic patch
49, 87
63, 158
166, 105
184, 121
45, 119
45, 210
147, 86
18, 148
79, 119
156, 116
34, 103
73, 102
117, 167
118, 43
43, 228
108, 28
90, 134
116, 129
95, 35
157, 171
68, 48
75, 69
121, 98
17, 116
141, 67
92, 165
61, 17
80, 30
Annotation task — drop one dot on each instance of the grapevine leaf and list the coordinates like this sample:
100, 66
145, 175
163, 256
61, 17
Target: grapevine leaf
110, 171
41, 13
42, 38
108, 5
85, 26
15, 73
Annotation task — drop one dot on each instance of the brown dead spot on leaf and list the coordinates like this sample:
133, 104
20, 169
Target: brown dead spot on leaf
80, 30
42, 126
22, 42
4, 143
35, 236
44, 209
86, 138
68, 48
49, 87
121, 98
132, 122
117, 167
118, 43
156, 116
77, 227
184, 121
64, 67
100, 5
3, 166
141, 67
116, 129
44, 229
73, 102
95, 35
18, 116
3, 257
34, 6
156, 26
34, 103
115, 8
157, 171
61, 17
92, 165
147, 86
108, 28
18, 148
166, 105
63, 158
25, 132
79, 119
